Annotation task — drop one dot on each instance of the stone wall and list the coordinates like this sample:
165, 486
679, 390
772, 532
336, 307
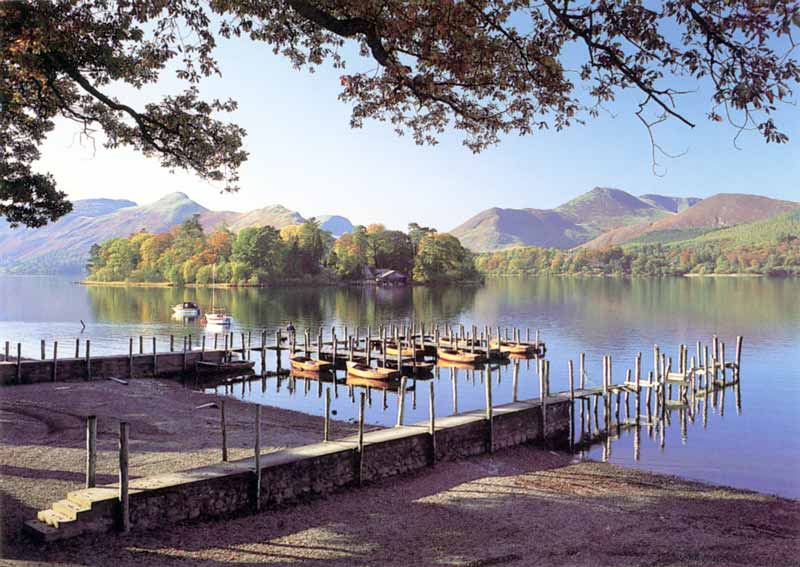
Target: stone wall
300, 473
119, 366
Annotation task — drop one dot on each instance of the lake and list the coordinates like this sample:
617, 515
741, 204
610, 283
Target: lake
754, 446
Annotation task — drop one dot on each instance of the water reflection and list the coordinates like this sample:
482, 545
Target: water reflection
596, 317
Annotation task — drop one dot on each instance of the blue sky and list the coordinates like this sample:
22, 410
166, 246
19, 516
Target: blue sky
305, 156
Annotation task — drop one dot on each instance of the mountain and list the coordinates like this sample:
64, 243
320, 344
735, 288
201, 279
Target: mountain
566, 226
335, 224
671, 204
722, 210
62, 246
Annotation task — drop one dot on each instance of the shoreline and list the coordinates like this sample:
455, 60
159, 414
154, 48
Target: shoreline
393, 522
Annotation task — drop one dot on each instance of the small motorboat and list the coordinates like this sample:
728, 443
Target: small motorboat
360, 370
226, 367
306, 364
186, 309
460, 356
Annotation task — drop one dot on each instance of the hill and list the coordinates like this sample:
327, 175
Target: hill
671, 204
566, 226
721, 210
63, 246
335, 224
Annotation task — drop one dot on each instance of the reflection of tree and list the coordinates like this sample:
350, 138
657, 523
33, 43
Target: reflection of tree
608, 305
262, 306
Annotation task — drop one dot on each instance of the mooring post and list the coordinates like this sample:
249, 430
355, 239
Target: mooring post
582, 372
91, 451
184, 355
401, 401
277, 349
202, 347
78, 347
224, 429
515, 381
55, 360
7, 351
258, 457
739, 341
130, 357
125, 517
155, 358
172, 342
432, 421
88, 360
326, 431
361, 438
571, 374
42, 344
489, 413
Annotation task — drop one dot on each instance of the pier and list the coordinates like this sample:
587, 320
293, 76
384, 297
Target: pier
573, 419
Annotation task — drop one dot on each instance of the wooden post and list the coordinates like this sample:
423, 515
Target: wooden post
125, 518
55, 360
401, 401
361, 437
172, 342
368, 346
327, 425
739, 340
319, 344
88, 360
7, 352
91, 451
155, 359
78, 347
130, 357
571, 374
257, 450
202, 347
141, 344
42, 344
432, 421
224, 429
277, 349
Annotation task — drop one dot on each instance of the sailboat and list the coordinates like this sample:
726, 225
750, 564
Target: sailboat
217, 316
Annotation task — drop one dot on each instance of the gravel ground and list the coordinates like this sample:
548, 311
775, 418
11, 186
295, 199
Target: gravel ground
42, 437
517, 507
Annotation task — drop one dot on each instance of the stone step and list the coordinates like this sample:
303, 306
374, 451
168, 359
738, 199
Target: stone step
71, 510
101, 500
53, 518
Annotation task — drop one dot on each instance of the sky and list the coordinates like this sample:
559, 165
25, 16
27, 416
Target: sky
305, 156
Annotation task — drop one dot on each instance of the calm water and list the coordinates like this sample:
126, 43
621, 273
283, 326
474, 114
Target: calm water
757, 447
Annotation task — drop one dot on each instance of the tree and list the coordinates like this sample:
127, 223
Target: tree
485, 68
256, 249
441, 258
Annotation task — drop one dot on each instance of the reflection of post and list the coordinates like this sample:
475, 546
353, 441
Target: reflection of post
431, 418
454, 380
514, 380
637, 441
401, 401
489, 414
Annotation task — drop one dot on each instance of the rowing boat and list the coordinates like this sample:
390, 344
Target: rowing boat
226, 367
453, 355
306, 364
407, 352
515, 348
360, 370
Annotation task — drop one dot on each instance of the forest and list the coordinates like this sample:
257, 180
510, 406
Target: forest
265, 255
781, 258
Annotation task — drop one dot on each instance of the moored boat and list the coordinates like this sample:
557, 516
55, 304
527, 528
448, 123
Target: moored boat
186, 309
226, 366
407, 352
219, 318
306, 364
370, 372
453, 355
515, 348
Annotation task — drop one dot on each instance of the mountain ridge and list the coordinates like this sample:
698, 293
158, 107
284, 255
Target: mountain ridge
63, 246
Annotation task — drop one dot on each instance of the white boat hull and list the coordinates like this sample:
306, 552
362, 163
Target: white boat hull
218, 320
